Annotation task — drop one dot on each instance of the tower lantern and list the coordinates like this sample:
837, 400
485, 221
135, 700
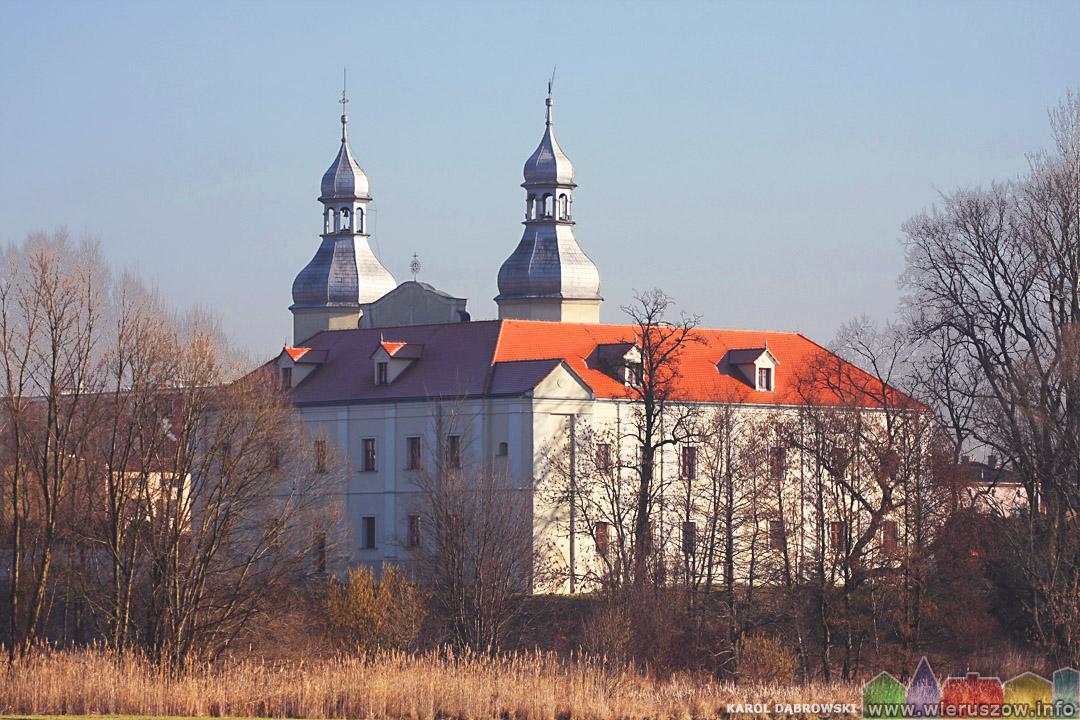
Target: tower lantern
548, 276
344, 273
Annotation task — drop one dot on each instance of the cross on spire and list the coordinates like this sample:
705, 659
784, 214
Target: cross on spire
344, 99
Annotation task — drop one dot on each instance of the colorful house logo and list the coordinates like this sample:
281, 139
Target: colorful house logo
883, 697
1067, 692
1028, 694
923, 692
973, 695
962, 697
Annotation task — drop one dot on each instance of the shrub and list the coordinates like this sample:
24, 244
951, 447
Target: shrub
366, 615
764, 660
607, 633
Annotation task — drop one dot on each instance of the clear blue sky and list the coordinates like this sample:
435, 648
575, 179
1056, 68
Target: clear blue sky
754, 160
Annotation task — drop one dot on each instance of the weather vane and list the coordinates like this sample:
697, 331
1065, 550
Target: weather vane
344, 85
414, 266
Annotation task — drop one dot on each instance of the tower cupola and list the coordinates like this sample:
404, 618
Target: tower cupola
344, 178
548, 276
344, 273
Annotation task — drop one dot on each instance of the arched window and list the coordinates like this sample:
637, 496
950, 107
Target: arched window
530, 208
359, 220
326, 220
564, 207
346, 223
547, 205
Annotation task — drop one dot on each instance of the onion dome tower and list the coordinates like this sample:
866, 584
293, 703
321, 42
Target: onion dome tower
344, 273
548, 276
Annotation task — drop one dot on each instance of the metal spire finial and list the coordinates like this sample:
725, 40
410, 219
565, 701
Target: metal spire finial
414, 266
551, 82
344, 99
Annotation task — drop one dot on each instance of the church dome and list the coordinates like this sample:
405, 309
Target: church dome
344, 179
549, 164
548, 264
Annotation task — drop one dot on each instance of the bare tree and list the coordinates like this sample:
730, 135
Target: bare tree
661, 418
49, 310
477, 553
129, 445
995, 273
237, 512
716, 498
865, 447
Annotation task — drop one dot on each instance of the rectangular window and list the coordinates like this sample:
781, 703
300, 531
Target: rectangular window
369, 455
603, 458
837, 533
603, 539
689, 462
381, 373
634, 375
320, 553
890, 536
776, 534
412, 453
320, 456
414, 531
286, 378
689, 537
764, 379
504, 450
274, 453
839, 457
453, 451
777, 462
369, 533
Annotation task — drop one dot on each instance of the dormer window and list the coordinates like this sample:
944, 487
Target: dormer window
620, 361
756, 367
294, 364
391, 358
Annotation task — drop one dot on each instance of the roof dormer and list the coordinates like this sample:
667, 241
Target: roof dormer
296, 363
621, 361
756, 366
391, 358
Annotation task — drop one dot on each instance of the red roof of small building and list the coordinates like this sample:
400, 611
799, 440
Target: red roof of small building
467, 359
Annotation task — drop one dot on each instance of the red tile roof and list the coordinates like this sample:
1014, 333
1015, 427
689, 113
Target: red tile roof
466, 359
405, 350
296, 352
306, 355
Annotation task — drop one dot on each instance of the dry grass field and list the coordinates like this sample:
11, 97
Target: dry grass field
389, 685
